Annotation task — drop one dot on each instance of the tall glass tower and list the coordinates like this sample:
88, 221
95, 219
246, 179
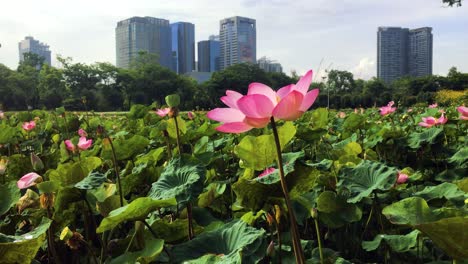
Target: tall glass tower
238, 41
149, 34
209, 55
183, 47
29, 44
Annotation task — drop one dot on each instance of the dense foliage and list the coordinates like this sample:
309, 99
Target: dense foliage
367, 187
104, 87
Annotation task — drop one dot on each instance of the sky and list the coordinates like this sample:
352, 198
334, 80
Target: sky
300, 34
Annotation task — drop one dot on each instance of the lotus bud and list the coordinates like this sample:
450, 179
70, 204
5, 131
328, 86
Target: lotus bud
278, 214
271, 249
66, 234
47, 200
173, 100
314, 213
36, 162
270, 219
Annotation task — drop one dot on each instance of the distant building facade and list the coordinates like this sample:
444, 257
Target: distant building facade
183, 47
269, 65
31, 45
238, 41
209, 55
149, 34
403, 52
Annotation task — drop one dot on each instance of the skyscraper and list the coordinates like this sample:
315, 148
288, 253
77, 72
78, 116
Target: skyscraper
403, 52
149, 34
238, 41
29, 44
268, 65
208, 55
420, 52
183, 47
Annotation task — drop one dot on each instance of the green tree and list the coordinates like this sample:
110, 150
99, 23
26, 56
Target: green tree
52, 89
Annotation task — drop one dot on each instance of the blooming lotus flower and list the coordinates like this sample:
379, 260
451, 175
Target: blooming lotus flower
434, 105
385, 110
70, 146
84, 143
29, 125
255, 109
463, 110
266, 172
28, 180
163, 112
432, 121
82, 133
401, 178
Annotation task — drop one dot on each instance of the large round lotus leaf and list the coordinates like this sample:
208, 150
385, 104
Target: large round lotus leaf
365, 178
460, 158
259, 152
182, 178
124, 148
445, 190
153, 248
22, 249
428, 136
7, 134
235, 242
10, 194
93, 181
409, 211
335, 211
171, 127
173, 230
289, 160
398, 243
73, 172
136, 210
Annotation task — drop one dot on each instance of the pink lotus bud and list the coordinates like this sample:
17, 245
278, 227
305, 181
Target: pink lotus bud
402, 178
82, 133
70, 146
28, 180
29, 125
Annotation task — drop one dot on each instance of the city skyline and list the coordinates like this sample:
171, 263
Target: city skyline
298, 34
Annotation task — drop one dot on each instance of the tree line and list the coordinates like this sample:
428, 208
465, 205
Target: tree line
104, 87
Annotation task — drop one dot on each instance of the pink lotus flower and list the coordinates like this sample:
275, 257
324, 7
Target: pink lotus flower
410, 110
28, 180
434, 105
163, 112
82, 133
463, 110
432, 121
255, 109
266, 172
83, 144
385, 110
190, 115
29, 125
402, 178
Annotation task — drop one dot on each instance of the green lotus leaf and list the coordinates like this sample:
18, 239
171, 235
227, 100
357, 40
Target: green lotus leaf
138, 209
365, 178
172, 100
23, 249
409, 211
289, 160
398, 243
182, 178
319, 119
445, 190
73, 172
47, 187
125, 148
153, 247
353, 122
173, 231
460, 158
233, 243
250, 217
93, 181
7, 134
10, 194
428, 136
259, 152
335, 212
171, 127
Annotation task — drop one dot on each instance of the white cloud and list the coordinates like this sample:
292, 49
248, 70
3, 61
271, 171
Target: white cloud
366, 69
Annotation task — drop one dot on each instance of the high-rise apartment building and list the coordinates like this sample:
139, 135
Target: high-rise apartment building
238, 41
209, 55
403, 52
29, 44
149, 34
183, 47
269, 65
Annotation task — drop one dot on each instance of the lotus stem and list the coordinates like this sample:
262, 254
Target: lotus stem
298, 253
319, 240
150, 229
177, 134
116, 170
